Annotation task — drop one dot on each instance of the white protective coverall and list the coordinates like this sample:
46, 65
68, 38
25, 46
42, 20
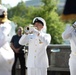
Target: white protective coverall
6, 53
37, 60
70, 34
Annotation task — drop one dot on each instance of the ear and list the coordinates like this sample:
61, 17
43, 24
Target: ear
42, 26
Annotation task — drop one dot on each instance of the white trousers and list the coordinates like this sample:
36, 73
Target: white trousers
37, 71
72, 64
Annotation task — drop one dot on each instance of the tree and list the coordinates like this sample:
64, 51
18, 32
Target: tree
23, 15
54, 25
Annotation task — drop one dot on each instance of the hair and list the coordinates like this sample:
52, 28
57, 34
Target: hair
2, 16
20, 27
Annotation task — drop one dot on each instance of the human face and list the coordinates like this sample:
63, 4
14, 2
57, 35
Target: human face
38, 25
19, 31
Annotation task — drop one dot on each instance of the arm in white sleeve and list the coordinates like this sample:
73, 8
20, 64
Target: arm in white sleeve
4, 31
68, 32
45, 38
24, 40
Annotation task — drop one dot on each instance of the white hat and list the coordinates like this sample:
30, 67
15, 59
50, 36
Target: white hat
38, 19
2, 9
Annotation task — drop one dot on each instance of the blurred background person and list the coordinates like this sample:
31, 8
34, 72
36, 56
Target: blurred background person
18, 51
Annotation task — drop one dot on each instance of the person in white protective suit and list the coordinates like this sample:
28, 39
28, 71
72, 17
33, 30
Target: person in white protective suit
6, 53
37, 40
70, 35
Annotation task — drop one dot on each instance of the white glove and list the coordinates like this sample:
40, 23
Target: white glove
74, 25
35, 31
31, 30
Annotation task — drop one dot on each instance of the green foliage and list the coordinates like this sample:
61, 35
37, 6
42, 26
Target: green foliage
23, 16
55, 27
